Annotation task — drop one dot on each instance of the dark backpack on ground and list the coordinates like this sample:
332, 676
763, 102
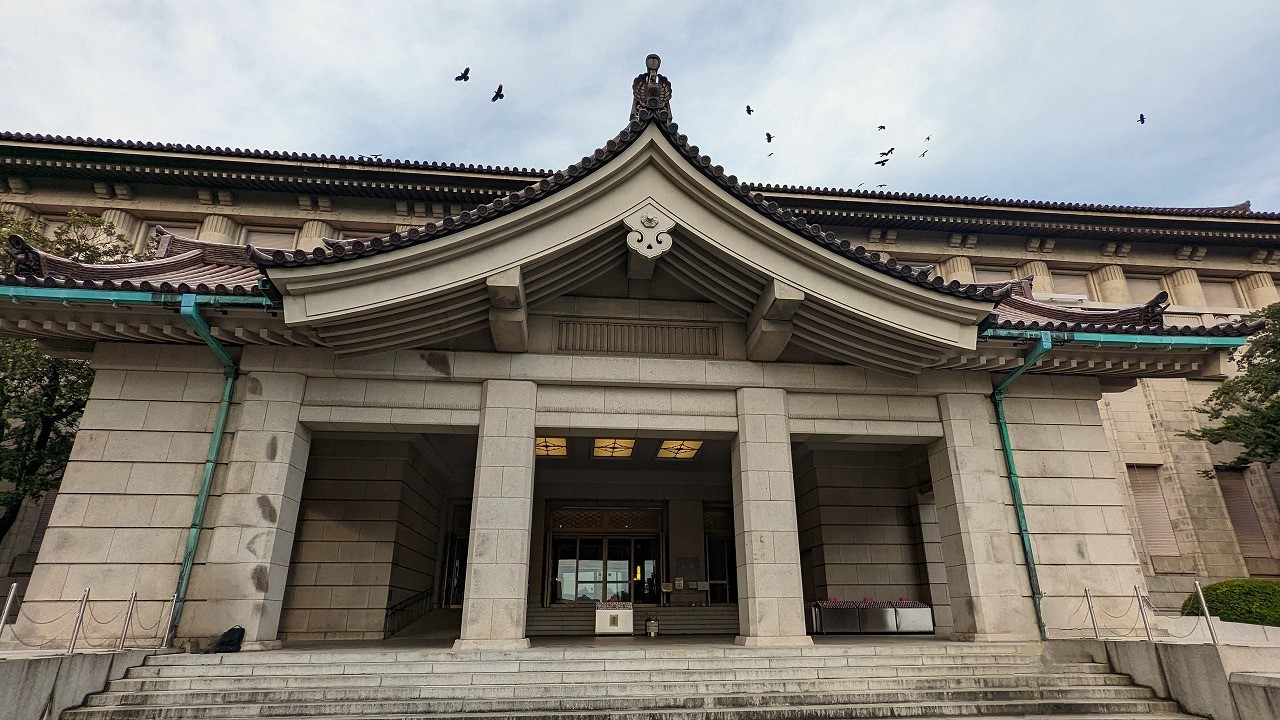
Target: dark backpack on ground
229, 641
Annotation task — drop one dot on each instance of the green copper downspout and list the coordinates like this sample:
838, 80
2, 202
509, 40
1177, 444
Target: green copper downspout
1044, 343
191, 313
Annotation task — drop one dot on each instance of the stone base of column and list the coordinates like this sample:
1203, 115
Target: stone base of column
782, 641
505, 644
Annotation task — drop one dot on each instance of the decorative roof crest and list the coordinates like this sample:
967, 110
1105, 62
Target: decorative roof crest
651, 91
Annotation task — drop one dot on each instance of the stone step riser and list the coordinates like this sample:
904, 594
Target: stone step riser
550, 700
570, 666
642, 653
619, 688
654, 712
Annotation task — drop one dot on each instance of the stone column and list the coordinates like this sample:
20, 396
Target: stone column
958, 267
770, 591
312, 232
127, 225
1041, 278
1184, 288
1260, 290
986, 576
495, 597
250, 524
1111, 285
219, 229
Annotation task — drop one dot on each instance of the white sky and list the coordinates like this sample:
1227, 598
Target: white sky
1022, 98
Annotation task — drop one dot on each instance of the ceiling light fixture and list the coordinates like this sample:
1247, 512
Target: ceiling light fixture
551, 447
679, 449
618, 448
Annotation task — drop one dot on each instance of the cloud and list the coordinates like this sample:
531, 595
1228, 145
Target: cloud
1033, 99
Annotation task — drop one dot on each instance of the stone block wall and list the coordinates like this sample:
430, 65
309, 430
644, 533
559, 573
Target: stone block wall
367, 533
858, 523
120, 521
1075, 503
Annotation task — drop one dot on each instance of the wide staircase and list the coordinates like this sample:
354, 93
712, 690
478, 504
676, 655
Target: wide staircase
581, 620
630, 680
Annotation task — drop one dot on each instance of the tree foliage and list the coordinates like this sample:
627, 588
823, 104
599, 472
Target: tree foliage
41, 397
1245, 409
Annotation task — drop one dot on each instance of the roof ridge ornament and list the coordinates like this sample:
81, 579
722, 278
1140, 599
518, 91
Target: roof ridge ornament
651, 91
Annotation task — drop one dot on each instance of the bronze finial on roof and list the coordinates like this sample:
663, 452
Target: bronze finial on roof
651, 91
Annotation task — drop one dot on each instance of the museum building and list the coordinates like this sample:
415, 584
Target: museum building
349, 393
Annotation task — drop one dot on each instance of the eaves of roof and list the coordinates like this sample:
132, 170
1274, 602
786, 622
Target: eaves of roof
343, 250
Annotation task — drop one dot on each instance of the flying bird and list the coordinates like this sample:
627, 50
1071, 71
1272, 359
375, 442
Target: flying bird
465, 76
769, 155
861, 184
768, 137
882, 185
923, 153
887, 153
879, 128
928, 138
749, 110
1142, 119
883, 162
497, 95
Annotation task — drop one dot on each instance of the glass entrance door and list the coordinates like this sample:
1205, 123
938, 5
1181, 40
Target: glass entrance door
595, 569
722, 571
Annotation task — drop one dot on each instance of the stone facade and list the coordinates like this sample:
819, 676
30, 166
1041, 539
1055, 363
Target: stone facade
861, 452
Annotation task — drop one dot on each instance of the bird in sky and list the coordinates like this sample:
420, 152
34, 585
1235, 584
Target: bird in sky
465, 76
768, 137
749, 110
879, 128
882, 185
1142, 119
928, 138
985, 197
887, 153
861, 184
769, 155
924, 153
497, 95
883, 162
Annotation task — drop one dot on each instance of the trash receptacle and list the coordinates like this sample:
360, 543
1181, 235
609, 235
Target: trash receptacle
651, 626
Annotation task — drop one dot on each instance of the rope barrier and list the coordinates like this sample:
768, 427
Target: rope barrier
93, 616
1123, 614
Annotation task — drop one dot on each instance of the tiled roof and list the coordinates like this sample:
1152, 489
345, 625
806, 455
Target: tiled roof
1020, 311
1242, 210
337, 251
180, 266
268, 154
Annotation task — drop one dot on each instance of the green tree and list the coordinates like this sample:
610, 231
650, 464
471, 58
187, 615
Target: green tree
42, 397
1245, 409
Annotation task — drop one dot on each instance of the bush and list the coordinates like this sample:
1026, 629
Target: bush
1256, 602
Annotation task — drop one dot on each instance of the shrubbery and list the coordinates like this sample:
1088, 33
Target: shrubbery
1244, 601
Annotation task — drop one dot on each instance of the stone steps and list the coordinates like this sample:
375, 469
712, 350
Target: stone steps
117, 695
638, 680
580, 620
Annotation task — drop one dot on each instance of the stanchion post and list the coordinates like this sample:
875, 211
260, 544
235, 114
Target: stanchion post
75, 629
8, 603
1204, 607
1092, 618
167, 638
128, 618
1142, 611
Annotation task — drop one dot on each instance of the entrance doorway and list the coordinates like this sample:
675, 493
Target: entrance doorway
610, 569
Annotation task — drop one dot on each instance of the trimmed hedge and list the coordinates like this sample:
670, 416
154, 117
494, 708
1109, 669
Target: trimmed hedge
1256, 602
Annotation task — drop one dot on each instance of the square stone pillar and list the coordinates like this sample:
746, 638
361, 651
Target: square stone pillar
495, 597
986, 574
770, 591
243, 562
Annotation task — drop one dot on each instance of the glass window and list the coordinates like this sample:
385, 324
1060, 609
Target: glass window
1142, 289
644, 574
590, 570
618, 570
565, 573
1071, 284
1220, 293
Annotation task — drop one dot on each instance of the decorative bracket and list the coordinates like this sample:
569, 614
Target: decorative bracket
508, 312
649, 238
